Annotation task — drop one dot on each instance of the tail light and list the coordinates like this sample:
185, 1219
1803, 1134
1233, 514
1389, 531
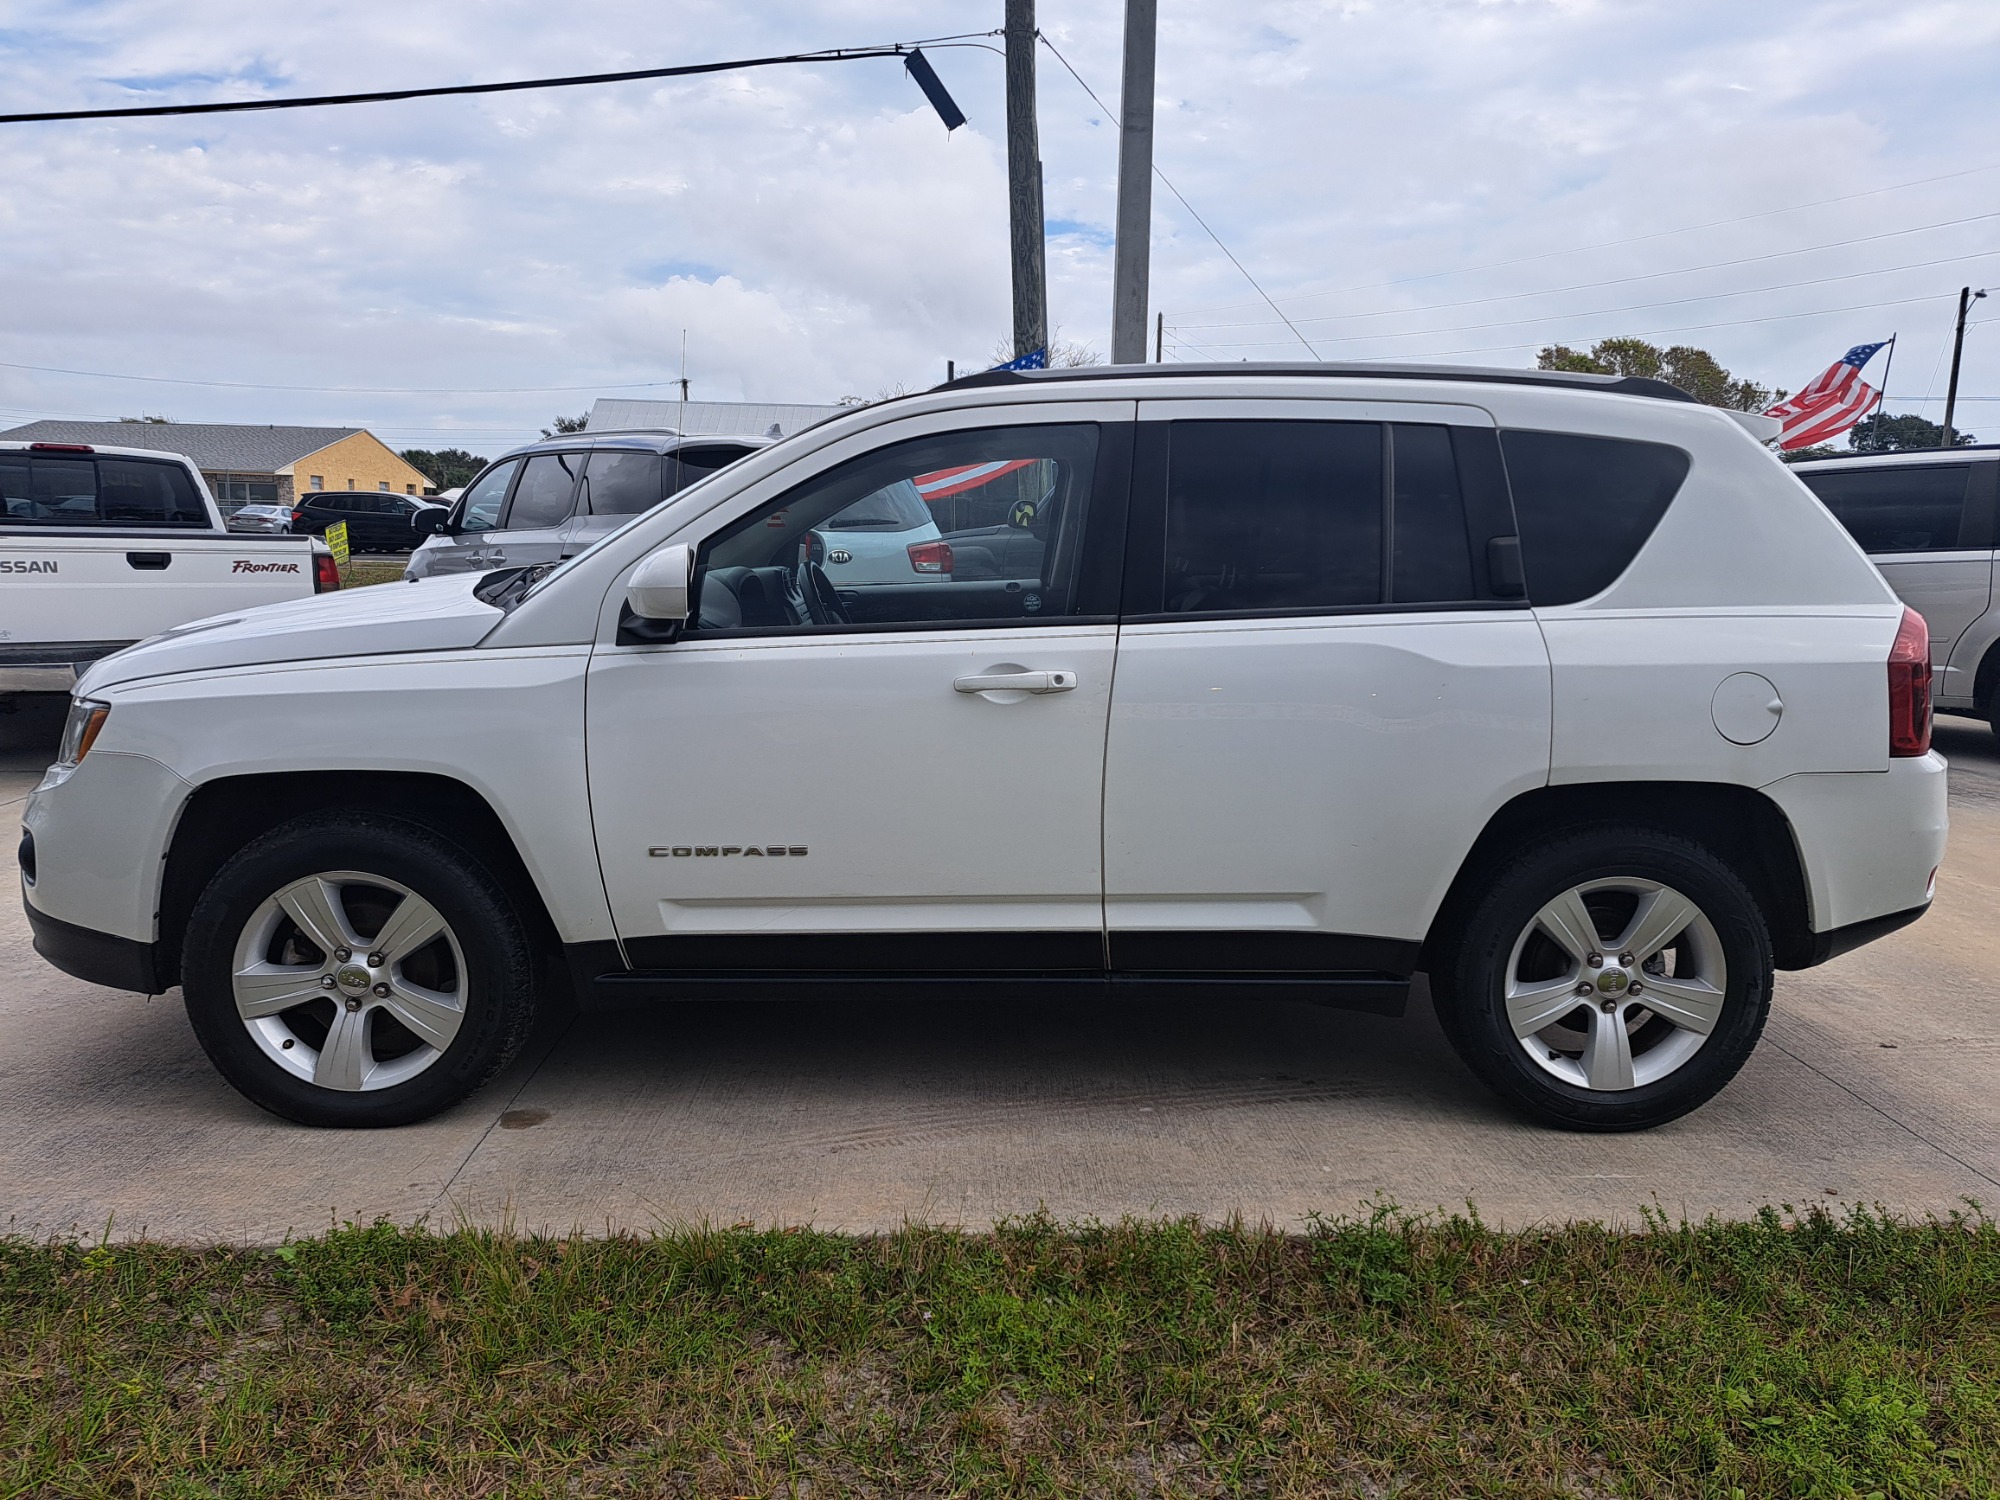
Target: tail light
1910, 687
930, 557
298, 516
60, 448
326, 573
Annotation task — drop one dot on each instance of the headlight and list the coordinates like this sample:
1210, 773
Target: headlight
86, 719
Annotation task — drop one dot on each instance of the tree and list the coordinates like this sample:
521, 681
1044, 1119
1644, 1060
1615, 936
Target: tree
1064, 354
446, 469
1695, 371
161, 421
566, 425
1883, 433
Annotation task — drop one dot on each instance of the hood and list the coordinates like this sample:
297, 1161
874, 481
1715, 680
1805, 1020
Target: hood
438, 614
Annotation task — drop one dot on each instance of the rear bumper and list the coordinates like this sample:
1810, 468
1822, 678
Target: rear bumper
50, 667
98, 957
1870, 843
1858, 934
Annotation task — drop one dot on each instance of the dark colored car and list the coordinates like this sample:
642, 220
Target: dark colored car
376, 521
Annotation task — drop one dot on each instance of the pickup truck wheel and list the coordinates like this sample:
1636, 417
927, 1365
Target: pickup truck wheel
357, 970
1611, 979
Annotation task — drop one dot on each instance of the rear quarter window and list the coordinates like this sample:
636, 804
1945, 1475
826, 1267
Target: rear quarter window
1585, 506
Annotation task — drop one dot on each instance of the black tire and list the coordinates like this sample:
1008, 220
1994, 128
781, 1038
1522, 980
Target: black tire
1468, 983
495, 989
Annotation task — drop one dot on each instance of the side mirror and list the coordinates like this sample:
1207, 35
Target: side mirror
430, 520
662, 585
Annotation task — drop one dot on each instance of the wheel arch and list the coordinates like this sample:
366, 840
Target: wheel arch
225, 814
1738, 824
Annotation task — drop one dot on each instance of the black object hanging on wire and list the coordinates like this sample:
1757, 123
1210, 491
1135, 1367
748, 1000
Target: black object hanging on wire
919, 67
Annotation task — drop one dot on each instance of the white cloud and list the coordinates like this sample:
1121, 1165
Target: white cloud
817, 234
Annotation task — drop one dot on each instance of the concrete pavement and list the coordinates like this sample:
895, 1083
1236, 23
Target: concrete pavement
1875, 1082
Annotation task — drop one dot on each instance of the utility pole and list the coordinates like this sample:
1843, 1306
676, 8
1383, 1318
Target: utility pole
1024, 184
1132, 251
1966, 297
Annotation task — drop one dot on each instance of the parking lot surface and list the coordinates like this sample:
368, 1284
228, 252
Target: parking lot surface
1874, 1083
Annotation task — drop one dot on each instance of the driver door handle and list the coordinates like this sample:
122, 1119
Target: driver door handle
1015, 682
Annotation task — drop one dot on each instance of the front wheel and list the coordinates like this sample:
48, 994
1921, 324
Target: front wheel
1608, 979
357, 970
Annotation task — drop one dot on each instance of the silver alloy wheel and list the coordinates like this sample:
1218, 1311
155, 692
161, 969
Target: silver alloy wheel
349, 981
1615, 984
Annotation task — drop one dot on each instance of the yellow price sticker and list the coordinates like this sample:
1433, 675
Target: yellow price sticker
336, 538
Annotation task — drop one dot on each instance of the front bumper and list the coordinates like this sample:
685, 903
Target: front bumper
98, 957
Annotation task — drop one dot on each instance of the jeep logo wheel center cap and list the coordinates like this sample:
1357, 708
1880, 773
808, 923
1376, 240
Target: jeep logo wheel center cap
1610, 982
353, 977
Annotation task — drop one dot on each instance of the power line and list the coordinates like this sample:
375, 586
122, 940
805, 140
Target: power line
575, 80
1522, 260
1599, 312
1585, 286
1185, 204
354, 390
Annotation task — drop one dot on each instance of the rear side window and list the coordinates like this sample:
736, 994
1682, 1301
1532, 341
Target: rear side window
686, 465
617, 482
100, 492
1302, 516
1273, 516
1904, 508
1585, 506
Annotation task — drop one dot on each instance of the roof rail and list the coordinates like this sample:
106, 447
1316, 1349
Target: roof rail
1617, 385
1829, 458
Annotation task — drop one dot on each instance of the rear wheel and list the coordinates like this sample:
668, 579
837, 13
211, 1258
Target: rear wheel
1608, 979
357, 970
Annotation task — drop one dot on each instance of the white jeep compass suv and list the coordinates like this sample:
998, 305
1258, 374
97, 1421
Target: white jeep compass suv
1297, 680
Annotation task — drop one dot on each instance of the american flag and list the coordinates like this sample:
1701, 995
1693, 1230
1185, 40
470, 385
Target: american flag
1034, 359
948, 482
1832, 403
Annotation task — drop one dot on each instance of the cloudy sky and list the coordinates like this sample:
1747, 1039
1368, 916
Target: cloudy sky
1423, 179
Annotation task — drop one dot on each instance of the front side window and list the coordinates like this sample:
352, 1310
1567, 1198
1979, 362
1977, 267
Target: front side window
1897, 508
480, 507
861, 545
618, 482
686, 465
543, 496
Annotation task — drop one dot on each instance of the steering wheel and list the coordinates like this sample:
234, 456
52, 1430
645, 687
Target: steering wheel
820, 603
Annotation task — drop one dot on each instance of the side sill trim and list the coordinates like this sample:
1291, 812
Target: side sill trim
1378, 994
1839, 940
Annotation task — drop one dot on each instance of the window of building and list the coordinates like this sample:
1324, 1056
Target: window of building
409, 489
382, 485
234, 491
318, 481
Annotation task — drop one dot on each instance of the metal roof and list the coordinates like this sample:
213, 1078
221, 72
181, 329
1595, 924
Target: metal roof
707, 418
215, 447
1617, 385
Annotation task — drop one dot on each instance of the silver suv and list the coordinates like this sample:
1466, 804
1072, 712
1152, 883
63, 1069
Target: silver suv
550, 500
1926, 518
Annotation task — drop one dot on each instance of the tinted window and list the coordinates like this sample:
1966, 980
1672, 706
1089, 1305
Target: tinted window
776, 568
1585, 506
1907, 508
1432, 549
482, 502
65, 490
134, 492
686, 465
542, 498
1273, 515
620, 484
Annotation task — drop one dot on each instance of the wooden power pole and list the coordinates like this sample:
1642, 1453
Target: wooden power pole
1024, 184
1132, 251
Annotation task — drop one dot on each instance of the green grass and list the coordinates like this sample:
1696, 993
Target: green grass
362, 571
1386, 1356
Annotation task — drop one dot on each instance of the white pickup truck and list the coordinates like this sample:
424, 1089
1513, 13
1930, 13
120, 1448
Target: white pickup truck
101, 547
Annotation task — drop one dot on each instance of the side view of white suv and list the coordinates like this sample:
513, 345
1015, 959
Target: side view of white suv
1287, 682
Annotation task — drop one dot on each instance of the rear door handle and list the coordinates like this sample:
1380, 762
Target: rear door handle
1015, 682
149, 562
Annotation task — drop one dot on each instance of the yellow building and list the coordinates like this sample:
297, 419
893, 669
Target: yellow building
247, 465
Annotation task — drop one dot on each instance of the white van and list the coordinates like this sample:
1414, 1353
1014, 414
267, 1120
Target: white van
1297, 681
